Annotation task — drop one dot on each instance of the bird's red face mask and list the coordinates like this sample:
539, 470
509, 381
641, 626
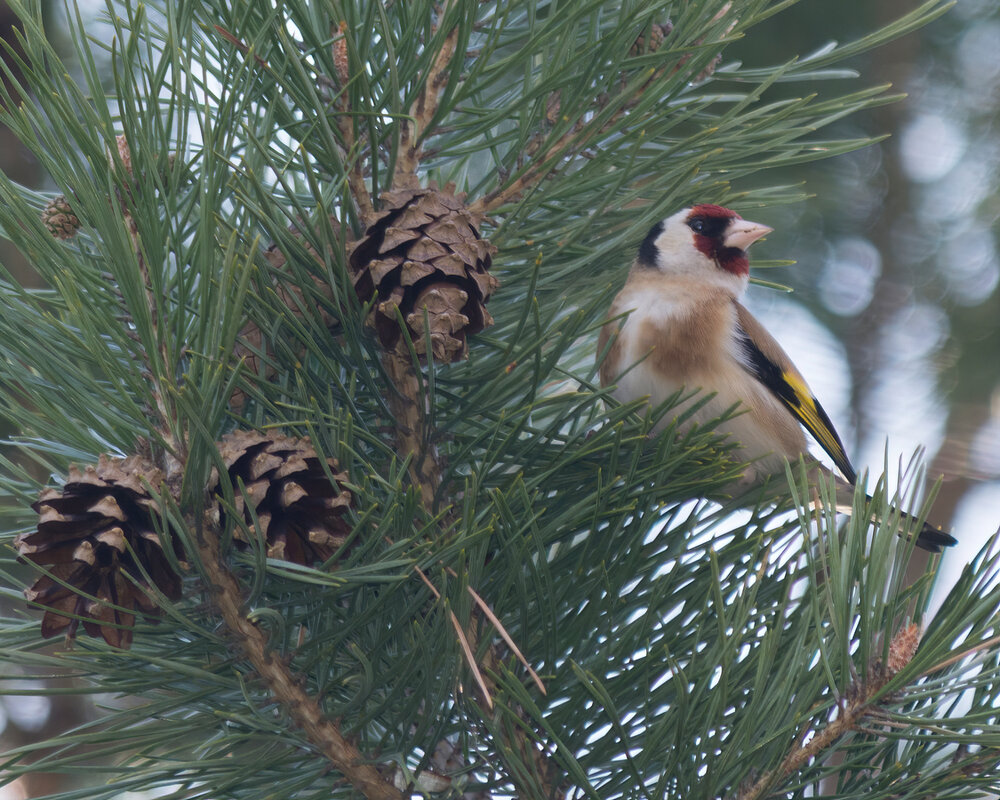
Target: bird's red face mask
723, 236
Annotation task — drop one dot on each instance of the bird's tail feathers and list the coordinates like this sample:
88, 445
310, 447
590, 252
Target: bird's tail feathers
928, 537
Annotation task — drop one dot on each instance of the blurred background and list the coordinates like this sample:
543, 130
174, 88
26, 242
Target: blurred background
895, 317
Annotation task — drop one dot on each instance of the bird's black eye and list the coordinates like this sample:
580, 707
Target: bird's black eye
697, 225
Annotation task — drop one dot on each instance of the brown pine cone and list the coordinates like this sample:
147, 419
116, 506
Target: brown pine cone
423, 253
299, 512
59, 219
97, 538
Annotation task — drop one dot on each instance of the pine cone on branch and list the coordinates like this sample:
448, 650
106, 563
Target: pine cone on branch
299, 512
658, 32
97, 538
424, 254
59, 219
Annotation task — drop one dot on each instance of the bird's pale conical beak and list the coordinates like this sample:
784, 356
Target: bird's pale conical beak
742, 233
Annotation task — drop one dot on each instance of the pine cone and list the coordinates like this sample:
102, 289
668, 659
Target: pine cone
59, 219
658, 31
298, 511
97, 536
424, 251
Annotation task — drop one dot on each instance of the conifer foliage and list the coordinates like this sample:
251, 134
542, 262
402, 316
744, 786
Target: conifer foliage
308, 441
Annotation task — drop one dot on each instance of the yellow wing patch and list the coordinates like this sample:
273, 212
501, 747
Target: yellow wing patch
810, 413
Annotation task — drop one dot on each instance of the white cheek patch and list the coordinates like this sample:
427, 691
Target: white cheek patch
678, 255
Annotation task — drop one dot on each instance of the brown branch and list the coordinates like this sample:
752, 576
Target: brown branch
323, 733
463, 641
508, 639
406, 404
487, 686
344, 121
854, 712
406, 398
282, 683
576, 139
959, 656
851, 716
355, 175
285, 687
414, 130
240, 45
175, 455
172, 459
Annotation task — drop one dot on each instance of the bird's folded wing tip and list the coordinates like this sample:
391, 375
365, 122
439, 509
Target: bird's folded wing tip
930, 538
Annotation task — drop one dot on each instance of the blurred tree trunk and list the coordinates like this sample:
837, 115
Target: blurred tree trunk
894, 290
968, 379
15, 160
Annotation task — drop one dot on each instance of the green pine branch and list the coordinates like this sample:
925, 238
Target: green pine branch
687, 648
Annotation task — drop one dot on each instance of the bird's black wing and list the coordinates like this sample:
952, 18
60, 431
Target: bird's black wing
790, 388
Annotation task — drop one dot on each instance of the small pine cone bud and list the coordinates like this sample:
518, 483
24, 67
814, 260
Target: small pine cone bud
657, 33
299, 511
552, 107
97, 538
423, 253
341, 64
59, 219
123, 152
902, 648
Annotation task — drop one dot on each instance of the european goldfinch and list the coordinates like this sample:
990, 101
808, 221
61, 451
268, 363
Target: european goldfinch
678, 324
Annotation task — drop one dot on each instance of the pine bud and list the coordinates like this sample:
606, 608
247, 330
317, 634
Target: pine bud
902, 648
123, 152
59, 219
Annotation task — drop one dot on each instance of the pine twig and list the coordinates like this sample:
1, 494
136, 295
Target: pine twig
345, 124
580, 136
487, 685
463, 641
413, 131
406, 403
355, 175
406, 399
576, 139
959, 656
855, 710
173, 458
508, 640
852, 714
284, 686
